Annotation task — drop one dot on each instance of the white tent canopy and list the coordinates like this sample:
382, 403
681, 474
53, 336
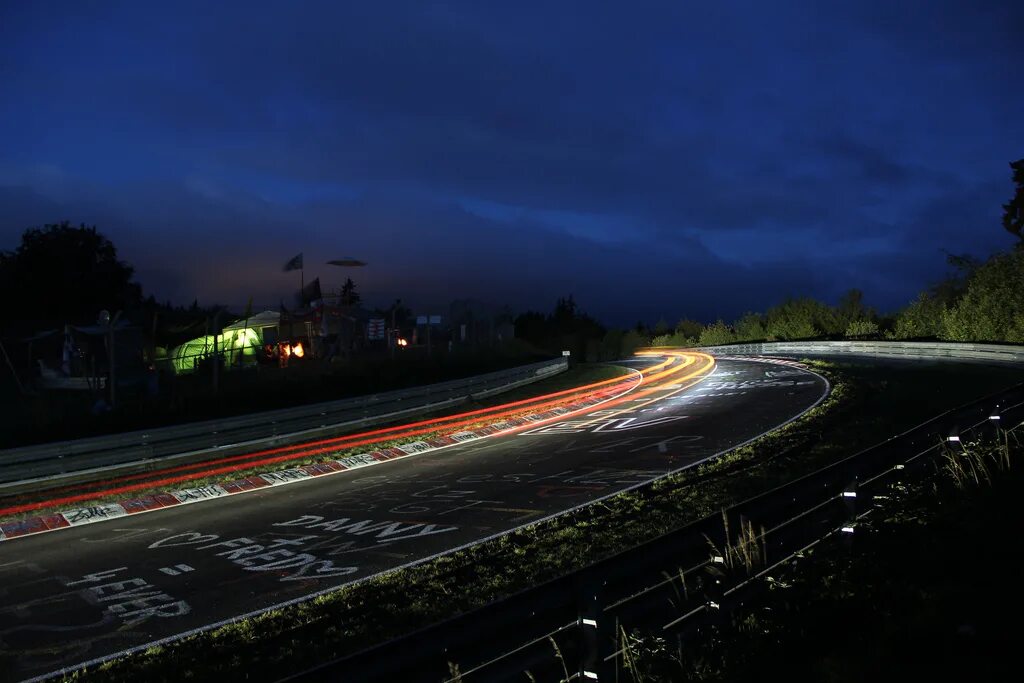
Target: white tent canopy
256, 321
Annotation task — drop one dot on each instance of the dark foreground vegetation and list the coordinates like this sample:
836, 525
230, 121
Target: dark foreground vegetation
868, 405
929, 591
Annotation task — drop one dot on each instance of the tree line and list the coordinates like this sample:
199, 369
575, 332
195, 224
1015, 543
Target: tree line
63, 273
980, 301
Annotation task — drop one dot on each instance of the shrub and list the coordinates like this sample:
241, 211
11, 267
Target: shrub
922, 318
716, 333
992, 308
861, 328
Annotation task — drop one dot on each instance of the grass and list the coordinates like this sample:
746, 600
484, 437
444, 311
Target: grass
867, 404
930, 591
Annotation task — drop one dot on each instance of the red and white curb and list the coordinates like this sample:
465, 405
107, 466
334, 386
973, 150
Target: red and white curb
156, 501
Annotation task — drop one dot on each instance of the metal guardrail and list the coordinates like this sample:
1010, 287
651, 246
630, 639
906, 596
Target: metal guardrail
959, 352
567, 628
276, 427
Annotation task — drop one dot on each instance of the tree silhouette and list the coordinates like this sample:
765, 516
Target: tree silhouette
349, 295
1013, 211
61, 273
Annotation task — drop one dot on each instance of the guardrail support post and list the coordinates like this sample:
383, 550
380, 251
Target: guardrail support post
849, 496
847, 531
597, 634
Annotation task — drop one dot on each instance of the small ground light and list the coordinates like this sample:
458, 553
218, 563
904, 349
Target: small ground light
590, 674
953, 438
718, 559
590, 622
993, 417
849, 494
847, 529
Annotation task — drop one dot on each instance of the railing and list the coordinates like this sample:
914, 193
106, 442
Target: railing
996, 353
277, 427
567, 628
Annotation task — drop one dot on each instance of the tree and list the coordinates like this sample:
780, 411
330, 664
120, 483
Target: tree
349, 295
859, 329
631, 341
750, 327
992, 308
716, 333
800, 319
689, 329
611, 345
531, 326
61, 273
851, 308
921, 319
1013, 211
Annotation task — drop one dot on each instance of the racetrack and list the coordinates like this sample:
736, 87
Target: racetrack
82, 593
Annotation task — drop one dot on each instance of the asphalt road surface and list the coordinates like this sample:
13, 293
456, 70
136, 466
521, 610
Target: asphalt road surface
82, 593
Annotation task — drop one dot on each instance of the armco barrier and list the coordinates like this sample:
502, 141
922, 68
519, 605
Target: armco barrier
277, 427
987, 353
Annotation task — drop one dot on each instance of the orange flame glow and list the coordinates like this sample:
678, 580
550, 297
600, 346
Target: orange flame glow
298, 351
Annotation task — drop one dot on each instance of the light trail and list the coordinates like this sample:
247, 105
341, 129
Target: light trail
455, 421
666, 369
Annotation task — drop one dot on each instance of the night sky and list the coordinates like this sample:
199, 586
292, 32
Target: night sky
654, 159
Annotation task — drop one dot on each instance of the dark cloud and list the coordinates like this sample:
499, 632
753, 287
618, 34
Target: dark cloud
762, 150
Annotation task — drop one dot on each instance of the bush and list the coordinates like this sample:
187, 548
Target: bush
631, 341
861, 328
800, 319
922, 318
677, 339
716, 334
992, 308
750, 327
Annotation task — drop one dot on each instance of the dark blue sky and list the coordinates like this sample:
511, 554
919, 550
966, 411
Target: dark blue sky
651, 158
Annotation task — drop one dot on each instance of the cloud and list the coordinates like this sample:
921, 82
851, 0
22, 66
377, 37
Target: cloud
633, 156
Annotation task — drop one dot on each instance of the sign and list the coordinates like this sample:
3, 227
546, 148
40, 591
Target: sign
375, 328
421, 320
435, 320
565, 353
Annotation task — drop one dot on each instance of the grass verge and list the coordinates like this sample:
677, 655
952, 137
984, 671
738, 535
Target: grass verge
929, 591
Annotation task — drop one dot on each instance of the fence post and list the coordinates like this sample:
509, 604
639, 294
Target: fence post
597, 633
849, 496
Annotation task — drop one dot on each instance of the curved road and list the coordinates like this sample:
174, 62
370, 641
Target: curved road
83, 593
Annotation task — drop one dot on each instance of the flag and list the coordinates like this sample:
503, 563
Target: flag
310, 292
294, 264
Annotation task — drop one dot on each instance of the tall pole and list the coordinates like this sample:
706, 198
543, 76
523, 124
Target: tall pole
216, 356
